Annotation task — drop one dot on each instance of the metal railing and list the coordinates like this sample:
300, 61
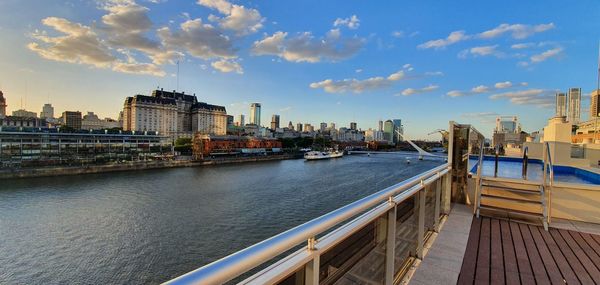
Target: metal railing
479, 179
525, 162
548, 180
375, 229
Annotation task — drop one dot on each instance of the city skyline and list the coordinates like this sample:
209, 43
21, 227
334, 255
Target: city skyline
350, 63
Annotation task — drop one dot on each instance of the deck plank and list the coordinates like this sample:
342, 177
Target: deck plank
482, 272
511, 269
546, 256
496, 258
467, 272
589, 251
525, 272
578, 268
539, 272
591, 242
583, 258
561, 261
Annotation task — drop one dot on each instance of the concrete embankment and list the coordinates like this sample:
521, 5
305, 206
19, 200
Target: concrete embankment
128, 166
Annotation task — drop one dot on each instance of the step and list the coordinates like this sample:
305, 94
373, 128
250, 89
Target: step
512, 213
511, 184
511, 193
511, 205
523, 217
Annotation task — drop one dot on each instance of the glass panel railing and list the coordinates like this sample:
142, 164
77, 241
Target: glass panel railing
406, 233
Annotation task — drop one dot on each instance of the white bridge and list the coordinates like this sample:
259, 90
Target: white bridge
421, 152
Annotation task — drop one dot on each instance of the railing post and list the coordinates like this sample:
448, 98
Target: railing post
447, 193
390, 249
312, 267
438, 196
421, 229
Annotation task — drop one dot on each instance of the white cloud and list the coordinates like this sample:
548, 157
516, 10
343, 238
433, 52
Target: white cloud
352, 23
226, 66
522, 45
517, 31
285, 109
480, 89
79, 44
139, 68
199, 39
412, 91
502, 85
356, 85
304, 47
456, 93
398, 34
453, 38
537, 97
546, 55
237, 18
482, 51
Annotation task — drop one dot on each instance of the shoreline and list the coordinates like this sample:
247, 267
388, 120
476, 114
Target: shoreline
129, 166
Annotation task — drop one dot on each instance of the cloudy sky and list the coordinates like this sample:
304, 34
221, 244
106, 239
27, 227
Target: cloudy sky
425, 62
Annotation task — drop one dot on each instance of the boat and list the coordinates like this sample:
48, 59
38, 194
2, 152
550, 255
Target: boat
316, 155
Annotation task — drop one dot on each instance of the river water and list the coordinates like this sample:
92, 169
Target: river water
150, 226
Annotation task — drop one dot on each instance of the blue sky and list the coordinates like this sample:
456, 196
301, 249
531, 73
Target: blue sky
425, 62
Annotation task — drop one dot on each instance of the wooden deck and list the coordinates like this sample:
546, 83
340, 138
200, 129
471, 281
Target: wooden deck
506, 252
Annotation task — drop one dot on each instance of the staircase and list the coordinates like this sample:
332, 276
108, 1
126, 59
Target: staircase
515, 198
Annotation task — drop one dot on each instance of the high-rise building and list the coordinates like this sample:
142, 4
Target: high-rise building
332, 126
72, 119
299, 127
2, 105
388, 130
380, 126
241, 120
353, 126
291, 126
274, 122
574, 105
323, 127
255, 114
561, 104
595, 104
398, 130
507, 124
47, 112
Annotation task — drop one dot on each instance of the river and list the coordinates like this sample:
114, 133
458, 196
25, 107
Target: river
143, 227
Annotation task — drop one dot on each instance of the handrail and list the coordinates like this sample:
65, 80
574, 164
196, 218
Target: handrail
548, 163
497, 152
479, 179
525, 162
240, 262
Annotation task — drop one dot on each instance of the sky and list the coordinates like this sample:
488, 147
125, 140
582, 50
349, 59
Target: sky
425, 62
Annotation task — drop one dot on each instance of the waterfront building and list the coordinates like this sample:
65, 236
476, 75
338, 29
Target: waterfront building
388, 131
323, 127
595, 104
309, 128
24, 113
380, 126
255, 113
398, 130
173, 114
230, 121
353, 126
47, 112
72, 119
561, 104
274, 122
91, 121
574, 105
42, 146
25, 122
2, 105
205, 145
299, 127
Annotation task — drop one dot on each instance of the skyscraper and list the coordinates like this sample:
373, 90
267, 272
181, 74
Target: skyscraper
574, 105
72, 119
595, 104
47, 112
241, 120
299, 127
561, 105
274, 122
397, 130
2, 105
380, 126
388, 131
255, 114
323, 127
353, 126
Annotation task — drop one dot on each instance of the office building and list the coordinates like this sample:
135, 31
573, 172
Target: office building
380, 126
398, 130
561, 105
299, 127
332, 126
291, 126
506, 124
72, 119
353, 126
595, 104
323, 127
173, 114
2, 105
388, 131
274, 122
241, 121
91, 121
47, 112
309, 128
255, 114
574, 115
